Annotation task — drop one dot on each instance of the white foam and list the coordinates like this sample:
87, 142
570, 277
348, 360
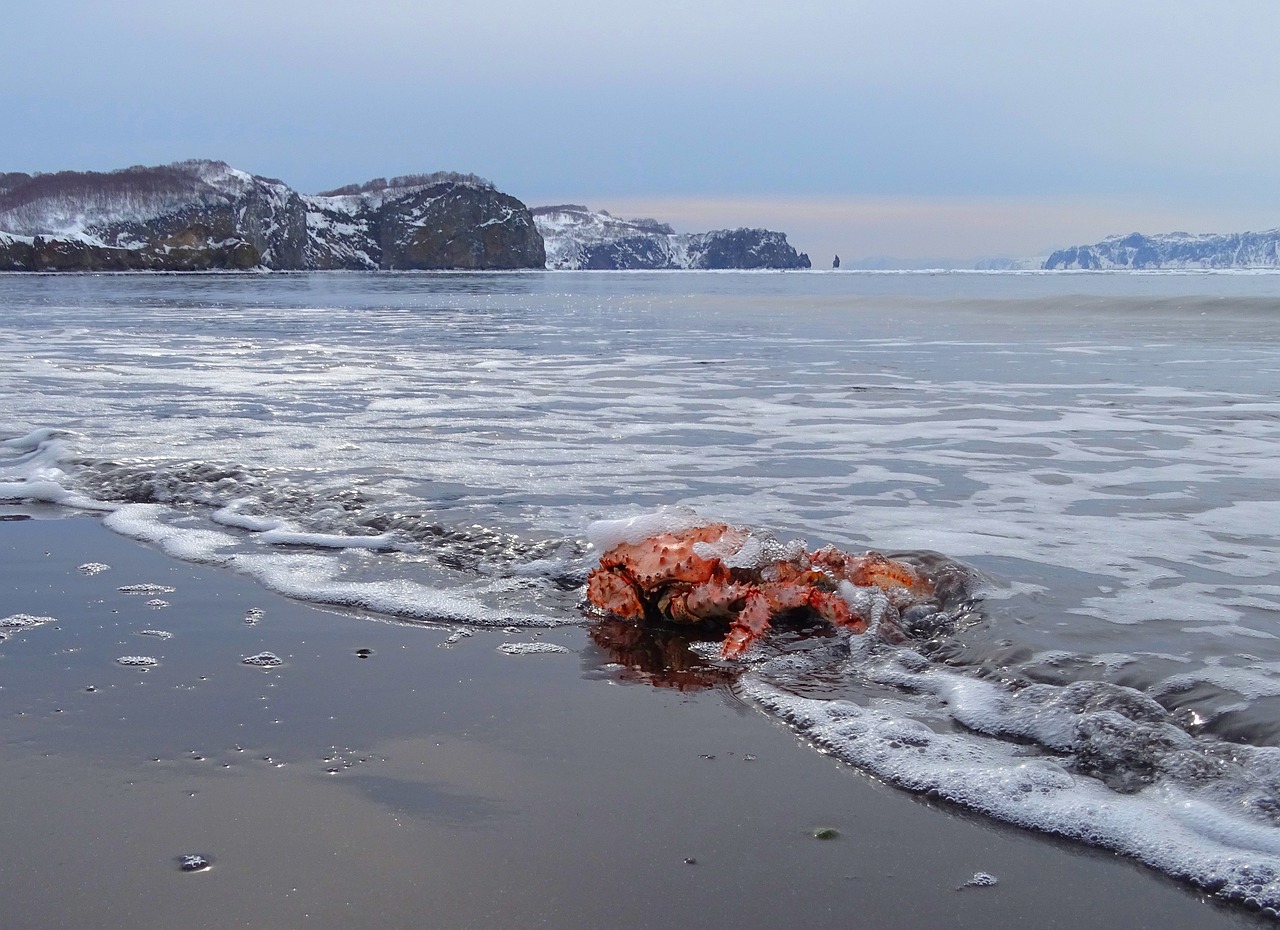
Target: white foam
24, 622
276, 531
49, 491
231, 516
605, 534
146, 588
34, 472
145, 522
384, 541
1160, 825
314, 578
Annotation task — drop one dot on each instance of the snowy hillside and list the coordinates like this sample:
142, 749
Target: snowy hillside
1173, 250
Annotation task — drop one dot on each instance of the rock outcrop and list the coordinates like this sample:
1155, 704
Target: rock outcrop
579, 238
206, 215
459, 226
1178, 250
743, 248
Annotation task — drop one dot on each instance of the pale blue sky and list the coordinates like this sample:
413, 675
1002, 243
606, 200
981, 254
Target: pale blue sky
916, 129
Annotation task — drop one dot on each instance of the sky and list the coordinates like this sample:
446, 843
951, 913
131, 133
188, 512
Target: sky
920, 131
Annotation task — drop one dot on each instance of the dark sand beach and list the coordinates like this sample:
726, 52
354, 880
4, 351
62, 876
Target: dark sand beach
447, 784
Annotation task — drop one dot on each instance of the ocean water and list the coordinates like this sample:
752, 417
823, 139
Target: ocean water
1090, 459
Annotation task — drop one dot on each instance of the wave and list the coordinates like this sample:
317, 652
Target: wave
958, 705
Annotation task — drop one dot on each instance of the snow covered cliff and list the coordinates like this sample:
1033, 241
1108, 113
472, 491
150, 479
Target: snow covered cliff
200, 215
579, 238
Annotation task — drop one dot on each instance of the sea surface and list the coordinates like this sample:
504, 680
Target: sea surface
1093, 460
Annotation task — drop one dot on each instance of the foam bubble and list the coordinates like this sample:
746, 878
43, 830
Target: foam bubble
146, 588
263, 660
529, 649
138, 661
24, 622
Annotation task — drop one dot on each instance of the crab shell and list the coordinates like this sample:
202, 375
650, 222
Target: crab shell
669, 577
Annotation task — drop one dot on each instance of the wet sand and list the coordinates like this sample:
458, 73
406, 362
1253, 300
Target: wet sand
438, 784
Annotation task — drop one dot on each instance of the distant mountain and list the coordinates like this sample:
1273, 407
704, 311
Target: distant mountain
579, 238
1174, 250
202, 215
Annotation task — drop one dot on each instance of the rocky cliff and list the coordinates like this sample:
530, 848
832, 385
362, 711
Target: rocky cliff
579, 238
205, 215
1173, 250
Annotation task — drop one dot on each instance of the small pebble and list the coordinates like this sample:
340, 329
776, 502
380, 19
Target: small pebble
689, 860
826, 833
980, 880
193, 863
364, 653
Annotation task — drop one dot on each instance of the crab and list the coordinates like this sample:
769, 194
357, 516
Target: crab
726, 574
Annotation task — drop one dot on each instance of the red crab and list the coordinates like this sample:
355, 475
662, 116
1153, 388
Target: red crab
718, 572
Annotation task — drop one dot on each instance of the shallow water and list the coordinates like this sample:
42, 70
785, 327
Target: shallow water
398, 776
1100, 449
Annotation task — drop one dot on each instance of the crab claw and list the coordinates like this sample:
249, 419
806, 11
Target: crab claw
613, 591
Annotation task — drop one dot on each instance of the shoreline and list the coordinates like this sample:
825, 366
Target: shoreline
447, 783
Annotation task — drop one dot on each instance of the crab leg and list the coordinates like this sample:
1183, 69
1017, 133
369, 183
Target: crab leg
765, 601
749, 625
